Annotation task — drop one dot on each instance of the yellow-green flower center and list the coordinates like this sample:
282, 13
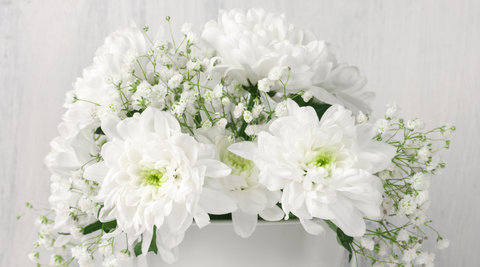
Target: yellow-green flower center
322, 158
153, 176
239, 165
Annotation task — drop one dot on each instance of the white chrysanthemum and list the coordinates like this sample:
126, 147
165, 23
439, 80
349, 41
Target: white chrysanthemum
251, 45
152, 175
126, 43
243, 186
70, 151
324, 167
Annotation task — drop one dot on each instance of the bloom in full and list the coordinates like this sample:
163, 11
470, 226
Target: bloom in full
243, 186
325, 167
259, 47
152, 175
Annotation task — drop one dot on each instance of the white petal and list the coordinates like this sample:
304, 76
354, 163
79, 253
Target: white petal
96, 172
215, 202
244, 223
201, 217
109, 127
61, 240
312, 227
347, 217
147, 239
246, 150
169, 255
272, 214
215, 168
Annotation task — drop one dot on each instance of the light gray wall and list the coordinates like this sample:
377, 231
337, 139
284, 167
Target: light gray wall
422, 54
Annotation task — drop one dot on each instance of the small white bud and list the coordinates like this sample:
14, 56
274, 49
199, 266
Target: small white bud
209, 95
382, 125
257, 110
207, 124
221, 123
225, 101
238, 110
247, 116
281, 109
264, 85
252, 130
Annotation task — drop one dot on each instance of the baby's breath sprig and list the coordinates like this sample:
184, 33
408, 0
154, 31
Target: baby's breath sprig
405, 183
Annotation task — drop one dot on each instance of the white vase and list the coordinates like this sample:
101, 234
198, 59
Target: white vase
278, 244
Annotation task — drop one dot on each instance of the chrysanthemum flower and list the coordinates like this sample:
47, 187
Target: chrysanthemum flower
325, 167
257, 45
152, 175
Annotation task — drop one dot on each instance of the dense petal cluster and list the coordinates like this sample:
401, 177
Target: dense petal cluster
152, 175
325, 167
258, 124
262, 48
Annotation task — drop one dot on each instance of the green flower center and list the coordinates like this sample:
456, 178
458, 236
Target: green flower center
239, 165
324, 159
153, 176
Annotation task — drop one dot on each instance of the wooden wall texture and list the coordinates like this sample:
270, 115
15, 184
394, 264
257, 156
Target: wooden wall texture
424, 55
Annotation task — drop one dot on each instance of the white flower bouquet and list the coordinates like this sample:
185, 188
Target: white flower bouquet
253, 119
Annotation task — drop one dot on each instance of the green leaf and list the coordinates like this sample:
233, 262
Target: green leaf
64, 233
153, 245
98, 225
92, 227
109, 226
342, 239
99, 131
98, 214
319, 108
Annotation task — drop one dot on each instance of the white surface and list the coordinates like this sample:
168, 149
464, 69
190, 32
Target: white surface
283, 244
422, 54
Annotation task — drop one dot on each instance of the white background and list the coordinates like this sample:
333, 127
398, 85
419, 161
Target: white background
424, 55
